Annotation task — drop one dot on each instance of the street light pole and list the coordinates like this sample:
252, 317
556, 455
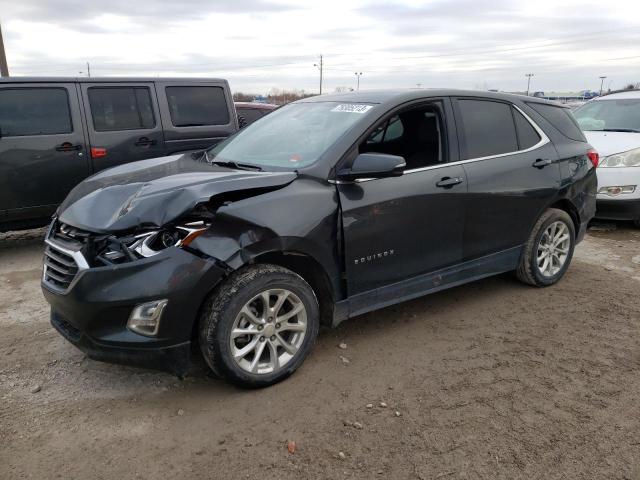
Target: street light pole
4, 69
601, 84
320, 67
528, 75
358, 77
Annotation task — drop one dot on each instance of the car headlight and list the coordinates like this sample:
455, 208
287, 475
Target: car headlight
630, 158
149, 243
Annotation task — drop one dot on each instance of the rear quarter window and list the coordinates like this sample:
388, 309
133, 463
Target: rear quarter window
194, 106
561, 119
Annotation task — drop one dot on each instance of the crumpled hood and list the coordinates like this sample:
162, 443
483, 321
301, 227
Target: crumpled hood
608, 143
154, 192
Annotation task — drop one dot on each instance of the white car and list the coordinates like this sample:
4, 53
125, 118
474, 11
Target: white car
611, 124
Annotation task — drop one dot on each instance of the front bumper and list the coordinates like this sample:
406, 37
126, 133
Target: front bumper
93, 313
618, 209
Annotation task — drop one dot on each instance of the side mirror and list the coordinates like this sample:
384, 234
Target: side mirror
373, 165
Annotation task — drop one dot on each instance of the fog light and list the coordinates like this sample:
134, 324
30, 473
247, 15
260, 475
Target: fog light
145, 318
617, 190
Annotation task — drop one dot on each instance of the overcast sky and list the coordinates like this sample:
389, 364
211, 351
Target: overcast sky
260, 44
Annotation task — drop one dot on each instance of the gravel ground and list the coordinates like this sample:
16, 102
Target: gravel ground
489, 380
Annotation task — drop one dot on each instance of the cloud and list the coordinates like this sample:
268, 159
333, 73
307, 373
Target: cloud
264, 43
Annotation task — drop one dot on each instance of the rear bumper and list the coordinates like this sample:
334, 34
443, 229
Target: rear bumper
618, 209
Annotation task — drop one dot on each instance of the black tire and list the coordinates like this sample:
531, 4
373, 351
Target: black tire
528, 270
224, 304
637, 223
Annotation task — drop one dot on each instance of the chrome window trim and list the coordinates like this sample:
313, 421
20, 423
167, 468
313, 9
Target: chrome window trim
543, 141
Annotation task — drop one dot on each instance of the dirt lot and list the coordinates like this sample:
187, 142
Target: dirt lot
489, 380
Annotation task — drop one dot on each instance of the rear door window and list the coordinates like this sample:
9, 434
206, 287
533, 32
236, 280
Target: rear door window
121, 108
527, 135
196, 106
34, 111
561, 118
488, 128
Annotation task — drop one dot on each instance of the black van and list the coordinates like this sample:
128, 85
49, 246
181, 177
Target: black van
54, 132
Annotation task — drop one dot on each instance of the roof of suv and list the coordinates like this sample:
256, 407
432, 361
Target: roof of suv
106, 79
405, 95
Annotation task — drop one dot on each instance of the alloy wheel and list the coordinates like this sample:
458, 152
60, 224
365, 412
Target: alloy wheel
553, 249
268, 331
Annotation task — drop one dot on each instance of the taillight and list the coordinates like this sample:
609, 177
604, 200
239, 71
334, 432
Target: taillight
98, 152
594, 157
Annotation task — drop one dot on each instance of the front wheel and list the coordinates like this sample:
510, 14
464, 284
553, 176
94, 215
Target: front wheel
549, 249
259, 326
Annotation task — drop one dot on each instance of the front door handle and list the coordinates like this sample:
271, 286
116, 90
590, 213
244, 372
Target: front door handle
68, 147
542, 162
144, 142
449, 182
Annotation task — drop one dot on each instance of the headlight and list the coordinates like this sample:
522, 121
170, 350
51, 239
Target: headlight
151, 243
624, 159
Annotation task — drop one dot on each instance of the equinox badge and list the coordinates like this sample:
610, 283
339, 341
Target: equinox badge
375, 256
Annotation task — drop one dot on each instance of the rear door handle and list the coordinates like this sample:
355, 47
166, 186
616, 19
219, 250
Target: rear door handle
68, 147
449, 182
542, 162
144, 142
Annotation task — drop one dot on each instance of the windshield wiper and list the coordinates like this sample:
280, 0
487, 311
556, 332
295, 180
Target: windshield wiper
628, 130
236, 165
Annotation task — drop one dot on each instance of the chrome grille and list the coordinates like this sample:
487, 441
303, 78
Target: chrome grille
61, 265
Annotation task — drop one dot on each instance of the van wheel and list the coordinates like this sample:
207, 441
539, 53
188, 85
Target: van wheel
258, 327
549, 249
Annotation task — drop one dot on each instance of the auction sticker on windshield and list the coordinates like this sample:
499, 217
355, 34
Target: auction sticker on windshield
352, 108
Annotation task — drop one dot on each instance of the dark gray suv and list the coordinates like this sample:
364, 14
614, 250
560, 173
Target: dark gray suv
327, 208
54, 132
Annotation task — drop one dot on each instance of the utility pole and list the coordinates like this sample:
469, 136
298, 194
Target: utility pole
528, 75
601, 84
4, 69
88, 70
320, 67
358, 74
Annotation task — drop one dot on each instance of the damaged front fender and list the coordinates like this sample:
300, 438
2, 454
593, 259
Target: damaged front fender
301, 218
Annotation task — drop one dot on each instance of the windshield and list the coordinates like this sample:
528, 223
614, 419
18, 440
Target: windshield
607, 115
291, 137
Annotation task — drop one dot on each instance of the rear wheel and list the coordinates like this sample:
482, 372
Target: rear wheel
549, 249
637, 223
259, 326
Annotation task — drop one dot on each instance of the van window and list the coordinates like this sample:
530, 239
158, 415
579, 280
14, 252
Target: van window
34, 111
121, 108
488, 128
527, 135
561, 118
197, 106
